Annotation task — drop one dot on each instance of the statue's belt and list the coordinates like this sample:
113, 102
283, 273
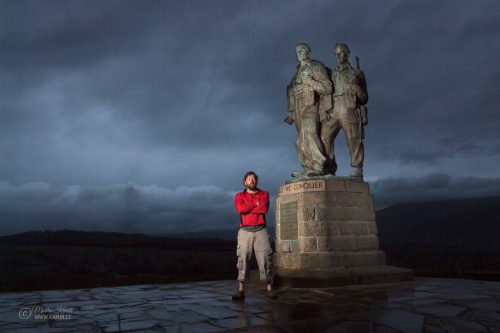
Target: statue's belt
344, 94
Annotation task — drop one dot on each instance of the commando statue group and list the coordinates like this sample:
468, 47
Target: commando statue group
321, 102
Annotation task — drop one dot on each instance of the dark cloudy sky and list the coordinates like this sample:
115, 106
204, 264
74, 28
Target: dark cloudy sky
142, 116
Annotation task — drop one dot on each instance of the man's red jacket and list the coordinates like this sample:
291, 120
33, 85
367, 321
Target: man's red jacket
252, 207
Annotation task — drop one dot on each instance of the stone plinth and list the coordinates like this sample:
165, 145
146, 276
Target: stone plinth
326, 229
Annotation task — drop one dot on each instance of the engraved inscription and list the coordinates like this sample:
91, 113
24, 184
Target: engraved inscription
305, 186
288, 221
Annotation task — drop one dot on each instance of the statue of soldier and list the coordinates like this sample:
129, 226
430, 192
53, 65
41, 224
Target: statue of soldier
309, 95
349, 112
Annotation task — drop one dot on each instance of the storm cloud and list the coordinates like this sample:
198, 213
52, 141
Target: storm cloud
116, 100
123, 207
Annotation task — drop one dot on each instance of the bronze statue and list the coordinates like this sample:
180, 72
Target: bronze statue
349, 112
309, 98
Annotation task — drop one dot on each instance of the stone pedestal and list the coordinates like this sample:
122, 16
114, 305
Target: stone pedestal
326, 234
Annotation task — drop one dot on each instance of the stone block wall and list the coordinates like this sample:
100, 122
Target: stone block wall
322, 223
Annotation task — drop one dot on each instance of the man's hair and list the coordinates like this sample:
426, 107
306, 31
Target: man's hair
251, 173
342, 46
305, 45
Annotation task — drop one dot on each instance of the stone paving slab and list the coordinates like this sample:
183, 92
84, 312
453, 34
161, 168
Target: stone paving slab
419, 306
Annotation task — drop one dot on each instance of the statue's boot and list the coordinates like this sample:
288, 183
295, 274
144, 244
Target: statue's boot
356, 172
330, 170
315, 173
306, 174
330, 167
296, 174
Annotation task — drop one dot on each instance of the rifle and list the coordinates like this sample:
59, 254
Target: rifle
363, 108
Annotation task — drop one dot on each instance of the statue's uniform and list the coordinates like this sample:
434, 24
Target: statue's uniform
306, 103
347, 100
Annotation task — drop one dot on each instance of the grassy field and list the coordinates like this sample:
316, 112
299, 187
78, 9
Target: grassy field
446, 262
74, 259
36, 267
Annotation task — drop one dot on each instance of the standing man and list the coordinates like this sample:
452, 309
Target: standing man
253, 204
349, 97
309, 97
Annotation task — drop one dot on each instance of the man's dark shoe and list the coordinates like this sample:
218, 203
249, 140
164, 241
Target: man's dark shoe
239, 296
271, 294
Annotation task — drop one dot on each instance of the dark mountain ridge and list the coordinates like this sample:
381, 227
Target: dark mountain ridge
466, 223
456, 238
114, 239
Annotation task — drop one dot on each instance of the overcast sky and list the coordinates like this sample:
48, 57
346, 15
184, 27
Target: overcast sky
142, 116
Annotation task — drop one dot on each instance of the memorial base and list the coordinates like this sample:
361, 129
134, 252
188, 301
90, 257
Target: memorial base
340, 276
326, 235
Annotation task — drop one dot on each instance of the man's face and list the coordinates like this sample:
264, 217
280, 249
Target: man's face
251, 182
341, 55
302, 53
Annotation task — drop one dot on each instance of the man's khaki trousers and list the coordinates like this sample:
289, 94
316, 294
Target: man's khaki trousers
248, 242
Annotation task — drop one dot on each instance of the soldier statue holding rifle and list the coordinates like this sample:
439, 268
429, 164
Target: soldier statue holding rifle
349, 112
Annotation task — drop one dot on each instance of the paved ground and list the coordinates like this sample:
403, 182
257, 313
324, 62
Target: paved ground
425, 305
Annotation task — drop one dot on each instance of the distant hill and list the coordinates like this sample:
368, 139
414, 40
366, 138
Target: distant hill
65, 259
115, 239
458, 238
230, 234
466, 224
